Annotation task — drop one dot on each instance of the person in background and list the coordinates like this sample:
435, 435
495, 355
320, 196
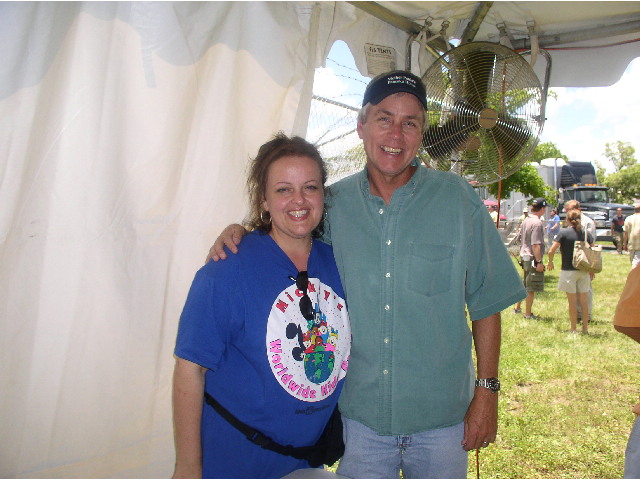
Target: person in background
589, 225
521, 218
415, 248
531, 256
266, 334
493, 213
525, 214
553, 226
632, 236
575, 283
617, 229
626, 320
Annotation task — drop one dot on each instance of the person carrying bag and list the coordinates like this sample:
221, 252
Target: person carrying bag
587, 258
574, 281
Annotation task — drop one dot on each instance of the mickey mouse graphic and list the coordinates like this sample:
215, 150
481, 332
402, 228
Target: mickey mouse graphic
315, 347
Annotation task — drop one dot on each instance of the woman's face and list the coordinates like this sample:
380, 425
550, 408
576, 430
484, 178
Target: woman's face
294, 197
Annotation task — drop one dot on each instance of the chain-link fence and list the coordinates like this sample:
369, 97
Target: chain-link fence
332, 128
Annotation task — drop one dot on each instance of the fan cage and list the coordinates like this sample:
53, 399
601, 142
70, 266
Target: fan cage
484, 112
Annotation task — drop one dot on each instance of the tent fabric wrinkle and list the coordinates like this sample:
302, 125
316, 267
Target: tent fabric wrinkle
127, 136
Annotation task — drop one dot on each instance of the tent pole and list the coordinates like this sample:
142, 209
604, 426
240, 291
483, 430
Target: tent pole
474, 24
548, 41
382, 13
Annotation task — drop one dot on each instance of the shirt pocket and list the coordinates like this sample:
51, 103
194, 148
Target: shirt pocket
430, 268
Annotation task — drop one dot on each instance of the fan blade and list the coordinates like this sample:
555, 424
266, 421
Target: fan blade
478, 69
510, 136
441, 140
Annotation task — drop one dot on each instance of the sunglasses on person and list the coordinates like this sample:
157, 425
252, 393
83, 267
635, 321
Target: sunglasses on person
306, 307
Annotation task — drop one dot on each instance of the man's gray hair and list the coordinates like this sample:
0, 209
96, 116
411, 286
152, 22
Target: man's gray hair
364, 112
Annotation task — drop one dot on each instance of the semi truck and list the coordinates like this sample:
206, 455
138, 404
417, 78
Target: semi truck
578, 181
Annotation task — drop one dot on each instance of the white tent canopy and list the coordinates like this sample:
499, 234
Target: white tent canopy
126, 128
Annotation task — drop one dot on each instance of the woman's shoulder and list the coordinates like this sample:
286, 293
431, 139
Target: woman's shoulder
323, 248
250, 246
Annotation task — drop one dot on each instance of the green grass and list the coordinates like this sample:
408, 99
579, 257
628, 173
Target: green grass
565, 404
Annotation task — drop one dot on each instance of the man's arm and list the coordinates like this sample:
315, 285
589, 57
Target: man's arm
188, 394
231, 238
538, 257
625, 239
481, 419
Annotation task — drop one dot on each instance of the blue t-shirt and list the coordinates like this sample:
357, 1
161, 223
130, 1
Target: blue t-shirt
553, 227
268, 366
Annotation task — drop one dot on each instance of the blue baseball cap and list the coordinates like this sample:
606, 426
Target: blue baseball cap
394, 82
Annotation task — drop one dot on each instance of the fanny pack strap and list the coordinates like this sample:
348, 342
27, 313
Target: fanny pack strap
255, 436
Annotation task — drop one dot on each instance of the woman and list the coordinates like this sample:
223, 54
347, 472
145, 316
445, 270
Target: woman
572, 281
265, 334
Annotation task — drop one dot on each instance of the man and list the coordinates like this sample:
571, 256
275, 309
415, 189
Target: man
627, 320
590, 226
493, 213
531, 256
632, 235
521, 218
553, 226
525, 214
585, 220
617, 229
409, 401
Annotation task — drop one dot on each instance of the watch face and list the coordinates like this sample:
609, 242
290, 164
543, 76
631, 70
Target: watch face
493, 384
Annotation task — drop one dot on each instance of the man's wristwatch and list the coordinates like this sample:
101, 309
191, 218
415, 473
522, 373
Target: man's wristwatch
492, 384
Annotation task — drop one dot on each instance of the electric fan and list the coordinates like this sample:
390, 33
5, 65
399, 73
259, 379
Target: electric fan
485, 112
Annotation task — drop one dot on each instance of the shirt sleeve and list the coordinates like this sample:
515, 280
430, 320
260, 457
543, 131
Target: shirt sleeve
208, 318
492, 283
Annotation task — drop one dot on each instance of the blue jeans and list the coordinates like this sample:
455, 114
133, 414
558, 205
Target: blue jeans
431, 454
632, 454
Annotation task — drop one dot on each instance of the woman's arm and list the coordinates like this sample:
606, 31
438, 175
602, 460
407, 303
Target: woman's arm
551, 253
188, 394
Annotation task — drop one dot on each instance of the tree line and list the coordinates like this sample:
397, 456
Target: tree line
624, 182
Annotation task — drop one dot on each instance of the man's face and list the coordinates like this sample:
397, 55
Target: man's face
619, 211
392, 133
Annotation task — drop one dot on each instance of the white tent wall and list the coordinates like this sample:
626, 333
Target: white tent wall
126, 130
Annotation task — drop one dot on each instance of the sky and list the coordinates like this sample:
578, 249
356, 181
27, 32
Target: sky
580, 121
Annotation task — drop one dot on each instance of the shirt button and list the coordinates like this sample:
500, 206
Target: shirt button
388, 242
388, 275
386, 340
381, 211
386, 372
387, 307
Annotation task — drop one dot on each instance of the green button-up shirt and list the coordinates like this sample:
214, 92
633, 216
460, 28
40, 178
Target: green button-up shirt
409, 269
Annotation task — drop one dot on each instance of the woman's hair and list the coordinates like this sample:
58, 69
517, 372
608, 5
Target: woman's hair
279, 146
572, 216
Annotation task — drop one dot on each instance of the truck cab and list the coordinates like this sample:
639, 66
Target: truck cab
594, 202
578, 181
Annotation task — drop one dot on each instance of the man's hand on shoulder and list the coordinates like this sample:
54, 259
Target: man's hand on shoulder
230, 238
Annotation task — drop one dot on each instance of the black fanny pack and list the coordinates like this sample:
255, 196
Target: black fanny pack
327, 450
